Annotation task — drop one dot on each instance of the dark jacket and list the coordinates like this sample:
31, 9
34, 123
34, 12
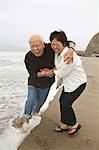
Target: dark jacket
34, 64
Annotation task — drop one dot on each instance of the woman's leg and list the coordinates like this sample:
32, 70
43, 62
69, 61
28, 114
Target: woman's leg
66, 101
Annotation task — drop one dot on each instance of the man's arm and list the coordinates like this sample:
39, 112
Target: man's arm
32, 72
68, 58
42, 73
45, 72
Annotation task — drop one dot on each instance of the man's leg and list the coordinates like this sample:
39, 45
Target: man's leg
31, 102
41, 97
30, 106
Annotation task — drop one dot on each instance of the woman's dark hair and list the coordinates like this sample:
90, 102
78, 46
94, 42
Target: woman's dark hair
60, 36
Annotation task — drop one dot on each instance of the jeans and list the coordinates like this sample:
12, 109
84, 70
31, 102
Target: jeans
35, 99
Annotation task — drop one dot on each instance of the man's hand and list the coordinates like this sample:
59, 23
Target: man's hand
49, 73
44, 69
45, 72
40, 74
68, 58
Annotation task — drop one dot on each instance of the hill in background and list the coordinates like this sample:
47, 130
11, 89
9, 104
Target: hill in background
92, 48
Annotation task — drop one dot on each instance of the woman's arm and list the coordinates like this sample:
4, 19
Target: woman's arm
64, 70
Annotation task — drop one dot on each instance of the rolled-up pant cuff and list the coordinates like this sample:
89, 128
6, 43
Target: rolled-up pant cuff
27, 116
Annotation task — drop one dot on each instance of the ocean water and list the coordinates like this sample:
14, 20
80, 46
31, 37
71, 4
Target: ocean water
13, 86
13, 93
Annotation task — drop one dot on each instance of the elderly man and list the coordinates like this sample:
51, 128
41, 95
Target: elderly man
39, 63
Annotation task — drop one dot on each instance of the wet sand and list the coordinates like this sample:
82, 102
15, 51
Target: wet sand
86, 107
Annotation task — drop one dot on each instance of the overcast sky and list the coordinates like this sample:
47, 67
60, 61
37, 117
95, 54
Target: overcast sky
20, 19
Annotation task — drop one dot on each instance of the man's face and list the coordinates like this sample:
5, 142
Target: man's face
37, 47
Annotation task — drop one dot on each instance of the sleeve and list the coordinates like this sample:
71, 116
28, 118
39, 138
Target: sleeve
64, 70
31, 70
71, 44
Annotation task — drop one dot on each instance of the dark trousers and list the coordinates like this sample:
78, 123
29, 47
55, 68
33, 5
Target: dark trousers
66, 100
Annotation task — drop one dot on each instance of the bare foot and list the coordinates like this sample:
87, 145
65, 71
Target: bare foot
61, 127
64, 126
34, 114
24, 128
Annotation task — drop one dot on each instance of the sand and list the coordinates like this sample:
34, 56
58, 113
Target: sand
43, 137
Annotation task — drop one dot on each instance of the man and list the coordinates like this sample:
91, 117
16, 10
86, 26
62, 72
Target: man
39, 63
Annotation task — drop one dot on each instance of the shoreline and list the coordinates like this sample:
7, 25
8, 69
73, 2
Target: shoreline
43, 136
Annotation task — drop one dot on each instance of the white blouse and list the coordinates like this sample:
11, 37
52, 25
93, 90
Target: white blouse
72, 74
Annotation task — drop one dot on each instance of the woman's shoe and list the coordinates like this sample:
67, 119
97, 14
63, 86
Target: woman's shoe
72, 131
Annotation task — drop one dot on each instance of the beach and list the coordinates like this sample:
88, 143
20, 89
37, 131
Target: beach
43, 137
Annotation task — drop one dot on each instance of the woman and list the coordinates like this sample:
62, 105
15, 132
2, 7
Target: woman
73, 79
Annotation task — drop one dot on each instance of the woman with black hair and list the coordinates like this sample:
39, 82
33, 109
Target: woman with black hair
73, 79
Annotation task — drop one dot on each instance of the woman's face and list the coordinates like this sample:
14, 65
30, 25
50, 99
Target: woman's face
57, 46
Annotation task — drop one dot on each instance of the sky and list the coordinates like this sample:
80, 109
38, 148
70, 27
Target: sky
19, 19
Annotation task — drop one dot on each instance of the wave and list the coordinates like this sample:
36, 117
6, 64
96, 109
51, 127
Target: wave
12, 139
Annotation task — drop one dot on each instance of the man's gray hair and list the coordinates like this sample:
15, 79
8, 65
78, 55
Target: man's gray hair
36, 37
